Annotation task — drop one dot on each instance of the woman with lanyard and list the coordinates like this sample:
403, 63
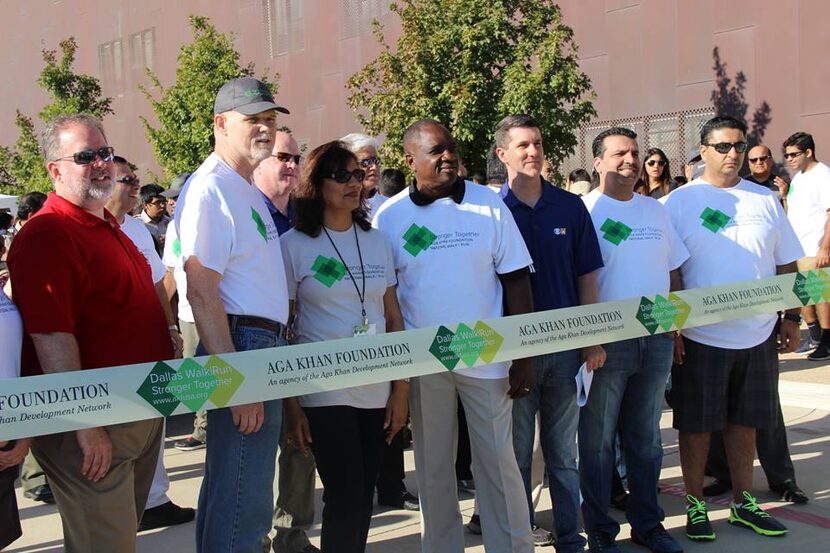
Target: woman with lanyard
11, 452
341, 283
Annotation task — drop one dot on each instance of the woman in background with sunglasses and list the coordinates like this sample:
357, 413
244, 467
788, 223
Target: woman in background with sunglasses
365, 148
341, 283
657, 174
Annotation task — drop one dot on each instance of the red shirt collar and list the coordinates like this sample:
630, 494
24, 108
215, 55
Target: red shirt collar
62, 206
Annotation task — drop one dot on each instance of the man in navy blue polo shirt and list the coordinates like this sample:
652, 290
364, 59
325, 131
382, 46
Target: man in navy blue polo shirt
558, 232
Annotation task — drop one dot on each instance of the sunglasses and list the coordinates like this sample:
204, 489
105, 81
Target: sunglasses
85, 157
792, 155
129, 180
761, 159
725, 147
343, 176
653, 162
285, 157
369, 161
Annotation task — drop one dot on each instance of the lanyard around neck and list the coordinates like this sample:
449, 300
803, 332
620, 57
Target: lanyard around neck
360, 293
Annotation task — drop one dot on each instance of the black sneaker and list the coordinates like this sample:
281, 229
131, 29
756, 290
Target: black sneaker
474, 526
166, 514
541, 537
189, 444
789, 491
600, 542
750, 515
698, 527
40, 493
821, 353
657, 540
403, 500
717, 487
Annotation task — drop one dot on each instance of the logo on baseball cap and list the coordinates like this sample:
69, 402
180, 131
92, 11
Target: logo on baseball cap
246, 95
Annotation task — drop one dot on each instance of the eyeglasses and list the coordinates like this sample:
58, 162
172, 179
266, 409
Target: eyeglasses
653, 162
725, 147
85, 157
760, 159
343, 176
792, 155
369, 161
158, 203
129, 180
285, 157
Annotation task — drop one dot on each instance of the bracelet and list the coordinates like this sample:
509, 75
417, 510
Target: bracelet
794, 318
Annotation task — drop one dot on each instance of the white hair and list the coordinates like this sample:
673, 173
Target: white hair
357, 141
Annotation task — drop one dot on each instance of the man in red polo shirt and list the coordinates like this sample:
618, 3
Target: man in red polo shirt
88, 301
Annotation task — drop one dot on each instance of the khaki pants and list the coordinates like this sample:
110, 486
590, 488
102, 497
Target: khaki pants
101, 516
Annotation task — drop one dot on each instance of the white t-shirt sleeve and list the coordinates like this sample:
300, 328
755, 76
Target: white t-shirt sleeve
206, 231
391, 276
157, 268
287, 248
678, 253
788, 247
171, 243
511, 253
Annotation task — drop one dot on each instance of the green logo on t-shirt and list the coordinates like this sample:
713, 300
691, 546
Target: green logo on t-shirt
615, 231
177, 247
328, 270
714, 219
418, 239
260, 224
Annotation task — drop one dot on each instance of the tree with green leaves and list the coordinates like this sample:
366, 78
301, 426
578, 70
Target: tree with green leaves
469, 63
22, 168
184, 137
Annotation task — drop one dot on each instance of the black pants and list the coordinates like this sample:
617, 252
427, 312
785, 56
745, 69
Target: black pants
391, 476
773, 453
463, 454
9, 518
348, 444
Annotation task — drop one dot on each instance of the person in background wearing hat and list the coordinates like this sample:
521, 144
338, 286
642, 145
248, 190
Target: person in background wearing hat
236, 286
172, 193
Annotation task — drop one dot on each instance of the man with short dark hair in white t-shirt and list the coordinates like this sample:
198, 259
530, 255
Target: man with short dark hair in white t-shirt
728, 379
641, 253
236, 287
460, 257
808, 208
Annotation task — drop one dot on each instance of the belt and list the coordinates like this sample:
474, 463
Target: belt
256, 322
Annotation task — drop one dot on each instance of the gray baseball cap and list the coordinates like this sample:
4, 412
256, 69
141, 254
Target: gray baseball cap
176, 186
246, 95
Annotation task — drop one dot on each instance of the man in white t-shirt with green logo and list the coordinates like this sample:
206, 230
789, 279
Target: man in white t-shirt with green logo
459, 256
236, 287
641, 253
808, 205
734, 230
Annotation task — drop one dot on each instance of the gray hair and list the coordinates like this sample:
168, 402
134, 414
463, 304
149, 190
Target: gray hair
50, 137
354, 142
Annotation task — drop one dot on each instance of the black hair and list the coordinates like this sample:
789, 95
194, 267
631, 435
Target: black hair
6, 219
29, 204
802, 141
149, 192
391, 182
598, 145
496, 171
720, 122
579, 175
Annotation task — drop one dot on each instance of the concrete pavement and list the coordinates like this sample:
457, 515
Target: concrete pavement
805, 394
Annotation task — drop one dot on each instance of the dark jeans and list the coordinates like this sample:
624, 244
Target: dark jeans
390, 478
773, 453
348, 444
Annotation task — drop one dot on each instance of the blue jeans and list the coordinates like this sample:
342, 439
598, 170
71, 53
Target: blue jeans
554, 396
236, 501
628, 389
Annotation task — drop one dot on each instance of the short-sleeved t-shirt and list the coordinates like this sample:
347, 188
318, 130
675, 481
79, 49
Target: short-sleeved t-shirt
562, 242
222, 220
172, 259
448, 255
11, 338
732, 234
327, 304
138, 233
639, 245
807, 205
93, 283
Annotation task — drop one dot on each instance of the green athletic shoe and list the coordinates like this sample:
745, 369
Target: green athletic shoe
750, 515
698, 527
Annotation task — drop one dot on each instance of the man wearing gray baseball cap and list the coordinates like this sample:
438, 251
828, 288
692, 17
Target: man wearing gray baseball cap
237, 290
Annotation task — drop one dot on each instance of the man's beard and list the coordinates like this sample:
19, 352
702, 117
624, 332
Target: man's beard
89, 189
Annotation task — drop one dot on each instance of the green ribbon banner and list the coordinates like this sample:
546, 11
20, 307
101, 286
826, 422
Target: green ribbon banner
73, 400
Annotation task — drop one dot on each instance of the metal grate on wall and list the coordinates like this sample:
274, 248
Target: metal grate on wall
358, 16
283, 26
675, 133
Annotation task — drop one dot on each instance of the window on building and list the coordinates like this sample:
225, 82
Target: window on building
111, 67
283, 26
142, 51
358, 15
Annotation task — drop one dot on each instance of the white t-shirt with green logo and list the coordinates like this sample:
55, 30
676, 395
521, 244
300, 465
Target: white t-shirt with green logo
222, 220
172, 259
638, 243
11, 338
327, 303
137, 232
807, 205
732, 234
448, 257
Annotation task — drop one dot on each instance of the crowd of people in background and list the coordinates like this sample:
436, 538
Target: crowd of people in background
262, 246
